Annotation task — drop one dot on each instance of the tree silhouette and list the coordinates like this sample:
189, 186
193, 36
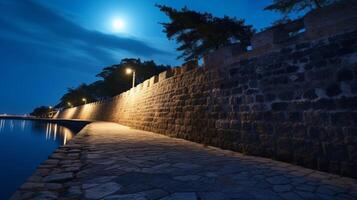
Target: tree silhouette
41, 111
288, 6
113, 81
201, 33
75, 96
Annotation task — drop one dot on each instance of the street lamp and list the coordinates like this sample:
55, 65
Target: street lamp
129, 71
84, 100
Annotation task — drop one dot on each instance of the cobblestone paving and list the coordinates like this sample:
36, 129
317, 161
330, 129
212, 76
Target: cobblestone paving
113, 162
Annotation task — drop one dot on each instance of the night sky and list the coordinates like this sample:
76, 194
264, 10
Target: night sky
47, 46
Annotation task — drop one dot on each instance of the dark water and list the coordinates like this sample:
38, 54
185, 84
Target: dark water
23, 146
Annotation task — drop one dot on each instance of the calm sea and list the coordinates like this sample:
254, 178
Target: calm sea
23, 146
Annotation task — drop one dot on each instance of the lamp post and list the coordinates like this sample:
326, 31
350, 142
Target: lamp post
84, 100
50, 112
129, 71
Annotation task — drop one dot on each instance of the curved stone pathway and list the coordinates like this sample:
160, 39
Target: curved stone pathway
113, 162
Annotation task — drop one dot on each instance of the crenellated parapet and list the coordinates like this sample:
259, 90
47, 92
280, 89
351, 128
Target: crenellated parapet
318, 24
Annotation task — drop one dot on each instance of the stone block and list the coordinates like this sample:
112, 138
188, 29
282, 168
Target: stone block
278, 106
310, 94
331, 20
154, 80
346, 103
344, 118
263, 40
219, 57
344, 75
284, 149
188, 66
324, 104
333, 90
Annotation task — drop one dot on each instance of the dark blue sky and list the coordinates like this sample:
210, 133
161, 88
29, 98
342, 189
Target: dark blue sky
47, 46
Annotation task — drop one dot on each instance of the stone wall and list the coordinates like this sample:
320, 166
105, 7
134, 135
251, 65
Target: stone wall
293, 97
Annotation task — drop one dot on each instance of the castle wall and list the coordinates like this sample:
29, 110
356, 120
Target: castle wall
292, 98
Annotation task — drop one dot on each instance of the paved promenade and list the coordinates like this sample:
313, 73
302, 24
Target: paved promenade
113, 162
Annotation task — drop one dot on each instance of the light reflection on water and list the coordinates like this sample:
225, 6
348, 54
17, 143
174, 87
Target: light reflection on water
51, 131
2, 124
23, 146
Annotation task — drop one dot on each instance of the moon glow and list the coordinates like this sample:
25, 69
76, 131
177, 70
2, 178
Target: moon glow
118, 24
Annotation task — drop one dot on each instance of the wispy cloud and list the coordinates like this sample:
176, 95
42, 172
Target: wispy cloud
31, 24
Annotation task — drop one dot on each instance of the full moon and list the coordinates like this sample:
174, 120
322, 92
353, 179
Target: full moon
118, 24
